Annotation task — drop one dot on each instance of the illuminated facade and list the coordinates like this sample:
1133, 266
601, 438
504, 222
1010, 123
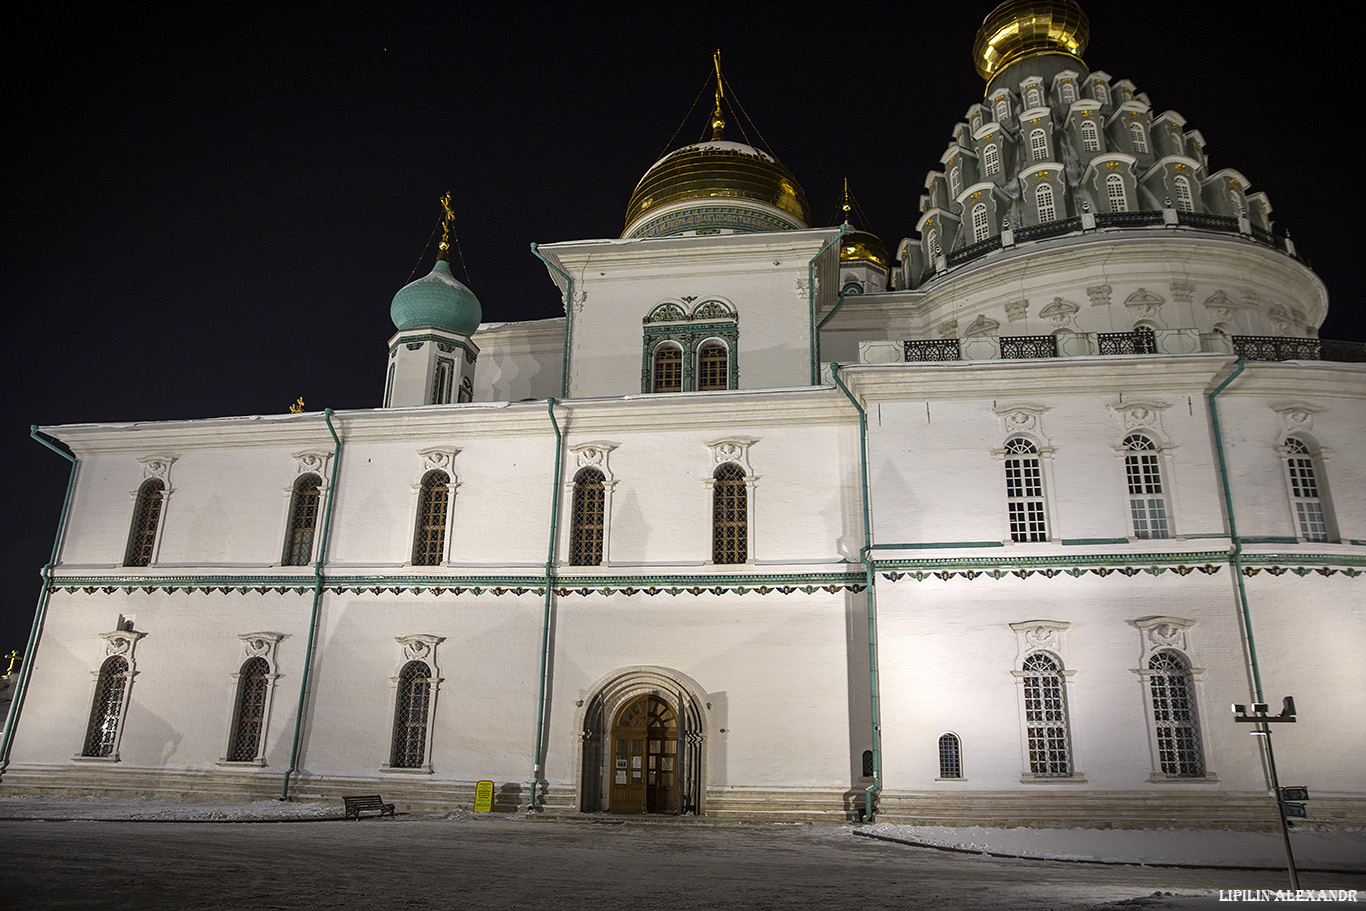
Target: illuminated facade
770, 524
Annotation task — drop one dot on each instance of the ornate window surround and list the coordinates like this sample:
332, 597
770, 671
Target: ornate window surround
1025, 422
731, 450
254, 645
420, 648
689, 326
154, 468
120, 643
1170, 634
1143, 417
436, 458
1297, 422
309, 461
592, 454
1047, 637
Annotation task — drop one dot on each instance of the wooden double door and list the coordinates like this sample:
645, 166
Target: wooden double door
643, 762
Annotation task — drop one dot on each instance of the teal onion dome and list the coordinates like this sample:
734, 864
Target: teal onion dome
436, 301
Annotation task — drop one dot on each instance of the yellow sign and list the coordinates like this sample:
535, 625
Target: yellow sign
483, 797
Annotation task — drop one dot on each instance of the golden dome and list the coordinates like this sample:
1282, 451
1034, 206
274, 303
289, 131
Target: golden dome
715, 172
860, 246
1025, 28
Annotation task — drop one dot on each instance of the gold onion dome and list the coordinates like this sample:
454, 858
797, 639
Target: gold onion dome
860, 246
1018, 29
708, 174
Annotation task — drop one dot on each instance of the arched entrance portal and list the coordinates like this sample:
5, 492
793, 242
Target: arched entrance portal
644, 771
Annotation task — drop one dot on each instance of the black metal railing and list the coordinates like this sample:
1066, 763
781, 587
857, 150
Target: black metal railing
1275, 348
971, 252
1023, 346
1226, 223
1128, 219
933, 349
1140, 341
1048, 229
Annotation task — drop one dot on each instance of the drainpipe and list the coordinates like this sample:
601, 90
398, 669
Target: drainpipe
317, 602
568, 317
21, 688
1236, 557
811, 299
875, 709
549, 583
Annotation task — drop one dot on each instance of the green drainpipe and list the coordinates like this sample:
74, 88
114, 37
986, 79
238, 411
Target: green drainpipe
545, 616
21, 689
568, 316
1236, 557
317, 601
811, 299
869, 794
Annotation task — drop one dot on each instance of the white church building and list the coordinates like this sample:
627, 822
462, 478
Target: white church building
773, 522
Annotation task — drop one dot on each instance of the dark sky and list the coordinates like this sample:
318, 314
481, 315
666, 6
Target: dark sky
207, 208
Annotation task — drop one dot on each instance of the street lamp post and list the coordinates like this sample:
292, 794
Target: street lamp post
1260, 716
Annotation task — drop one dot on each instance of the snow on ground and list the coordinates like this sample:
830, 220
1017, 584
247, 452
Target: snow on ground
1327, 849
1322, 849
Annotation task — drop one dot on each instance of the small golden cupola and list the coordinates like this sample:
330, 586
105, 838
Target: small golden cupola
865, 265
716, 187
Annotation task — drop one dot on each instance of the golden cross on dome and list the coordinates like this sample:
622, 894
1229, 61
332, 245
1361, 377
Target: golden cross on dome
846, 199
446, 225
13, 656
718, 123
298, 406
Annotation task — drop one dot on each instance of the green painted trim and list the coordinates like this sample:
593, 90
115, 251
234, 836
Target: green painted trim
1269, 539
1081, 542
690, 336
442, 342
937, 545
548, 605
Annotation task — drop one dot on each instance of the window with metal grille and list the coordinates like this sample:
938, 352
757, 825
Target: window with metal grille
142, 536
1304, 492
668, 373
1024, 491
981, 229
1114, 192
1138, 136
1043, 200
950, 757
1147, 500
429, 541
1038, 145
1184, 202
253, 683
991, 157
303, 521
1090, 136
586, 527
1178, 730
1050, 754
730, 516
410, 716
868, 764
106, 710
955, 180
713, 367
935, 249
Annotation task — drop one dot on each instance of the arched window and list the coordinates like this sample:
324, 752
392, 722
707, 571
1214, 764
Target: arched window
410, 716
1311, 521
1038, 145
1174, 717
1101, 91
303, 521
1050, 753
1147, 500
1002, 109
713, 367
106, 710
1184, 201
586, 529
868, 764
955, 180
1069, 93
991, 157
1139, 137
466, 390
730, 515
935, 249
442, 380
981, 228
249, 713
950, 756
142, 535
1024, 491
429, 539
1090, 136
1237, 203
1114, 192
1043, 199
1032, 97
668, 369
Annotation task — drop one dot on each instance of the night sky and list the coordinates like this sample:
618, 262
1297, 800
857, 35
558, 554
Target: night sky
207, 209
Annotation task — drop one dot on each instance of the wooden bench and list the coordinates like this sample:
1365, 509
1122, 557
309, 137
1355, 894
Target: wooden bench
354, 806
